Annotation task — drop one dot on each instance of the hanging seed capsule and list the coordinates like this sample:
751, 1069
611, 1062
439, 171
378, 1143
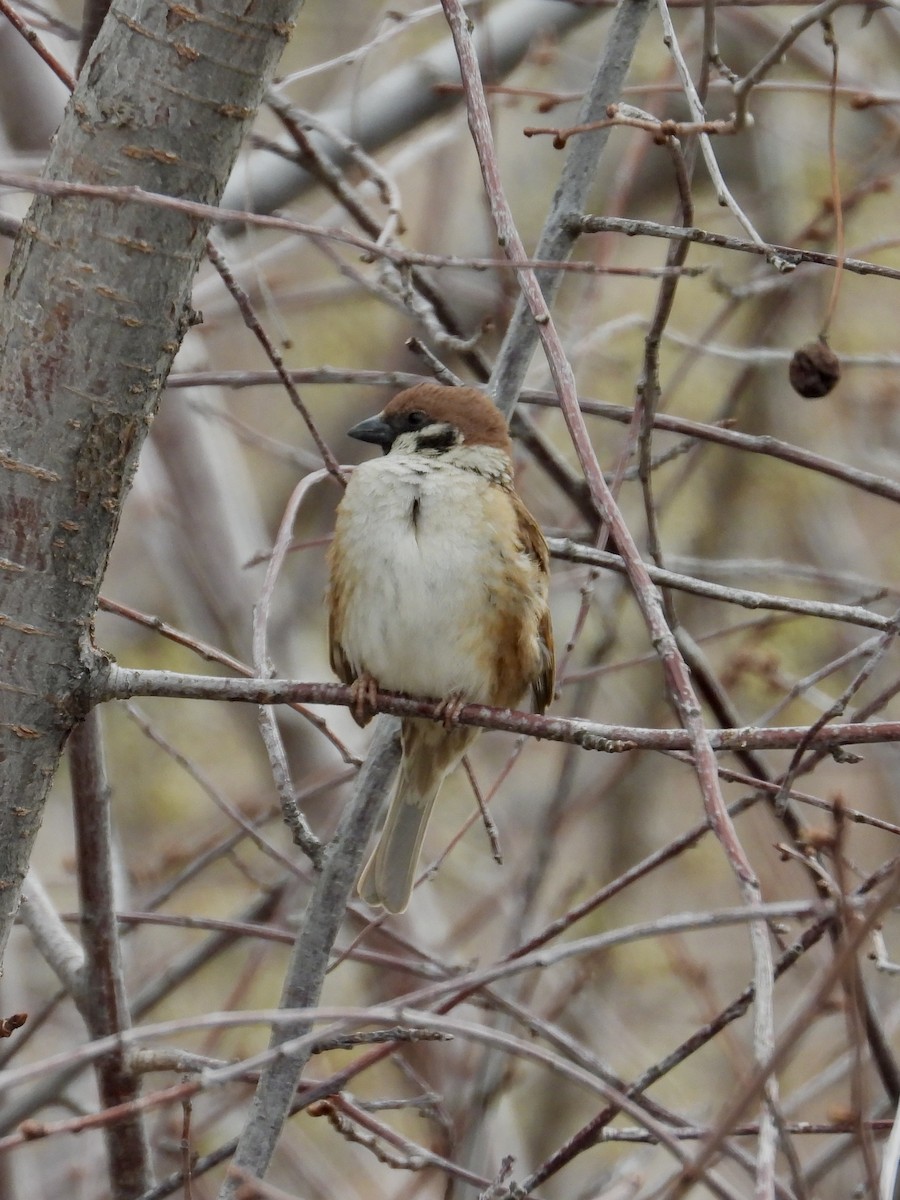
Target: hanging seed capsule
814, 370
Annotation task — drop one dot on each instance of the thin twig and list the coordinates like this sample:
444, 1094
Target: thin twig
122, 683
36, 44
791, 254
245, 307
102, 997
293, 817
836, 202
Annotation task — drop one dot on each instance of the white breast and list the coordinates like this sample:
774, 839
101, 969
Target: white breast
426, 562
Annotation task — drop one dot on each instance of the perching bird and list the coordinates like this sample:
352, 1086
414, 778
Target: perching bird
439, 580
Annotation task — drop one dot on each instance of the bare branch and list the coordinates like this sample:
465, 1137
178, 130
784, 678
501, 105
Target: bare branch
324, 916
101, 996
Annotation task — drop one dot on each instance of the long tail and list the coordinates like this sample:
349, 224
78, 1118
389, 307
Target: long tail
429, 754
388, 877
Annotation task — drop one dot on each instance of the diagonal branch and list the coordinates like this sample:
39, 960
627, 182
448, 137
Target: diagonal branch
677, 675
303, 984
558, 236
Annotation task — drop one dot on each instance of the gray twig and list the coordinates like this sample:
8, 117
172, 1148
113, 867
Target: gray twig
309, 962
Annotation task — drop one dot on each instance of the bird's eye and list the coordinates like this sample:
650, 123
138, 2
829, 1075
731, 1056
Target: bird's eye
416, 419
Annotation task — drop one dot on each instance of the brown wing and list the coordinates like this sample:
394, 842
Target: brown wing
532, 542
340, 664
542, 687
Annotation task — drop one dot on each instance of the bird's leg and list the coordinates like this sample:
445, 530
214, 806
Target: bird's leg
363, 698
448, 710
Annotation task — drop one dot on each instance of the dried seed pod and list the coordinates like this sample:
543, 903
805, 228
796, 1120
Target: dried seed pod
814, 370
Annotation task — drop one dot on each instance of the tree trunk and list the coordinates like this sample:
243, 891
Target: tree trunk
95, 307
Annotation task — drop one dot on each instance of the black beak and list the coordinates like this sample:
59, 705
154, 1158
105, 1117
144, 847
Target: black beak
374, 429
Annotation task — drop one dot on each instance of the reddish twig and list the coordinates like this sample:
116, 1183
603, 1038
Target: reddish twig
37, 45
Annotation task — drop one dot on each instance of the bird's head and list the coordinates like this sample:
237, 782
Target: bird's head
431, 419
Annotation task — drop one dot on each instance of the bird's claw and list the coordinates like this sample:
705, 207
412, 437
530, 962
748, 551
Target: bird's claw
363, 699
448, 710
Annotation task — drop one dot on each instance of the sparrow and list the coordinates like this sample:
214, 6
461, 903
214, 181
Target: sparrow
438, 589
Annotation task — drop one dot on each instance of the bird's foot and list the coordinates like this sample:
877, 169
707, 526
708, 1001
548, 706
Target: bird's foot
363, 698
448, 710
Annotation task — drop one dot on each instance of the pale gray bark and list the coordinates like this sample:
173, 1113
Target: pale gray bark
95, 307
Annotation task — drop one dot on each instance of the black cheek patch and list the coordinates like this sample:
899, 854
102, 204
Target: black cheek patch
438, 442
